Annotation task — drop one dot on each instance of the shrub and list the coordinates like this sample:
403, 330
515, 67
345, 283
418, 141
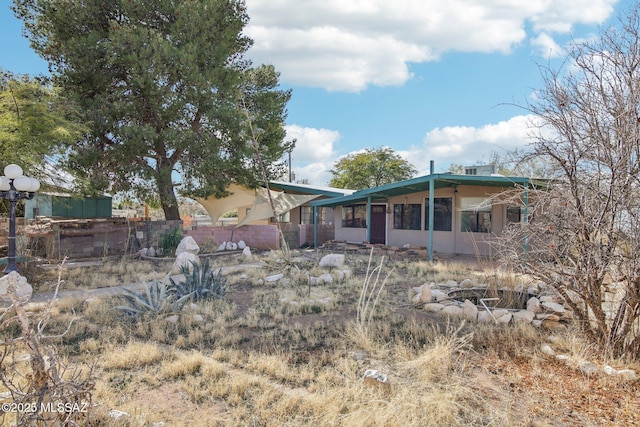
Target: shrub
199, 283
155, 298
170, 240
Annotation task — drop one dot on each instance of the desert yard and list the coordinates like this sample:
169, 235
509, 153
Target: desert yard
281, 347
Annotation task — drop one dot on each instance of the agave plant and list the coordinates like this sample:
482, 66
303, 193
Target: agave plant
155, 298
199, 283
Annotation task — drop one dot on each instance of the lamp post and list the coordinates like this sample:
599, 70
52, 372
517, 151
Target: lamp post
13, 187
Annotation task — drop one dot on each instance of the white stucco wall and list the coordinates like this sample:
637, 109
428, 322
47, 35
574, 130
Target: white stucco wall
454, 241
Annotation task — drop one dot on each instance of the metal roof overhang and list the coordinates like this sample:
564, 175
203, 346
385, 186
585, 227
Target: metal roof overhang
384, 192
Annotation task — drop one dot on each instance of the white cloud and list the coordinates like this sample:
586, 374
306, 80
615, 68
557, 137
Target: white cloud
349, 45
469, 145
312, 145
547, 47
314, 155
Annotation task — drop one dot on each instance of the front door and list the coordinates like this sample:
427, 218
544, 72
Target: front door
378, 224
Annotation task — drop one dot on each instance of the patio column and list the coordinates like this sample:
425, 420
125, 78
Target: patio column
431, 202
369, 219
315, 227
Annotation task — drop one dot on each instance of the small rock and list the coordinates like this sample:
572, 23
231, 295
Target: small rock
534, 305
609, 370
274, 278
144, 252
433, 307
627, 375
151, 252
589, 368
375, 379
197, 318
242, 244
466, 283
332, 260
360, 355
546, 349
172, 319
325, 278
115, 414
246, 254
438, 295
222, 247
453, 311
470, 310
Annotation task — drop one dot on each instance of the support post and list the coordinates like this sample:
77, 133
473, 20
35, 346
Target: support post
431, 211
369, 219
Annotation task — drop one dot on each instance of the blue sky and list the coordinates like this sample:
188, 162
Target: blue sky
432, 80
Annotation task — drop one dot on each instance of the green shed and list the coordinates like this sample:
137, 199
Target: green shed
67, 206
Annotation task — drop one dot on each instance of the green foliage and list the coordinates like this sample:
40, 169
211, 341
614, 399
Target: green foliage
36, 118
170, 240
200, 282
166, 88
370, 168
155, 298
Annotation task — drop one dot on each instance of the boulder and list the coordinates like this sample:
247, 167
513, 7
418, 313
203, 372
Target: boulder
485, 317
433, 307
325, 278
438, 295
466, 283
232, 246
332, 260
222, 247
453, 311
425, 293
151, 252
553, 307
533, 305
187, 244
185, 259
523, 316
246, 254
242, 244
23, 289
470, 310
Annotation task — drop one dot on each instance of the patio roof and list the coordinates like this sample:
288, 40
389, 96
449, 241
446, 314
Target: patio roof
422, 183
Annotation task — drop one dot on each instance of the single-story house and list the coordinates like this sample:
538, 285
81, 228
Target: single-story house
445, 213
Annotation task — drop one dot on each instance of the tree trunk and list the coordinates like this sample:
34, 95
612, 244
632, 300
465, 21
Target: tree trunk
168, 199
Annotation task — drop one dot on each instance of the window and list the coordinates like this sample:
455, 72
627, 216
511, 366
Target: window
442, 213
406, 216
471, 171
283, 217
514, 214
354, 216
306, 215
475, 215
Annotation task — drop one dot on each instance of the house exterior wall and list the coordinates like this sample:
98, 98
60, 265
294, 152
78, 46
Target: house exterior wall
454, 241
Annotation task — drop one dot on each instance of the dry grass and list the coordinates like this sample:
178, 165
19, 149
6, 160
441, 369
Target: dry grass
257, 359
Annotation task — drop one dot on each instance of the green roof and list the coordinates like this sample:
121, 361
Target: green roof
422, 183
